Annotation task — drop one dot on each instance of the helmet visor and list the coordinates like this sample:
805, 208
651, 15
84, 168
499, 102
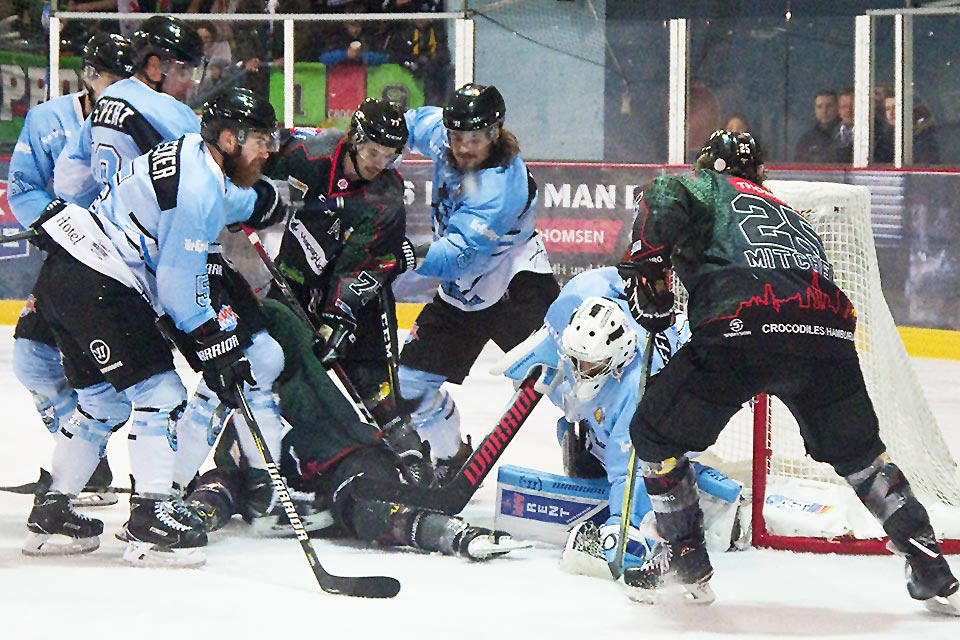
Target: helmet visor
261, 140
378, 155
183, 71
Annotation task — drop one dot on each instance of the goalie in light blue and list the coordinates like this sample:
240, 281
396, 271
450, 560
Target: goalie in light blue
587, 355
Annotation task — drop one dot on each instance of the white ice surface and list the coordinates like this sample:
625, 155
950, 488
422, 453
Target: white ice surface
258, 588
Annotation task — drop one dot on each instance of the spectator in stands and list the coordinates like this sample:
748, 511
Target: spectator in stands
883, 124
218, 55
926, 150
844, 139
352, 43
421, 47
818, 145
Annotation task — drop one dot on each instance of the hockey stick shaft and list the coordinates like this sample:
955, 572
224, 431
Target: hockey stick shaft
17, 237
362, 586
616, 567
452, 497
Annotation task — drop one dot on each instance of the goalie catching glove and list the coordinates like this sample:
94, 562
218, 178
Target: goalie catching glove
222, 361
334, 337
648, 296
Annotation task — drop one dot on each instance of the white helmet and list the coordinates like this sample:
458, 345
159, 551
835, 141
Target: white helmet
598, 342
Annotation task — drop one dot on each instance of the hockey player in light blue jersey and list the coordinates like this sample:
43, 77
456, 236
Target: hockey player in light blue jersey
47, 129
145, 252
135, 115
587, 354
495, 279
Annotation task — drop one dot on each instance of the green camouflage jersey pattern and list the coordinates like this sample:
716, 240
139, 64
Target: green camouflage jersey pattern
755, 270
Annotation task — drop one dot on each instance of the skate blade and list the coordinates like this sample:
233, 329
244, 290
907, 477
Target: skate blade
483, 548
700, 593
947, 606
94, 499
44, 544
147, 554
279, 527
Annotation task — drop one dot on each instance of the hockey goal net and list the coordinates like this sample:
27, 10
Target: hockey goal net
801, 504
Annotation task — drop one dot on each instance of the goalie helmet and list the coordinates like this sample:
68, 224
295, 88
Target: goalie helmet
381, 122
169, 39
732, 153
598, 342
110, 53
474, 107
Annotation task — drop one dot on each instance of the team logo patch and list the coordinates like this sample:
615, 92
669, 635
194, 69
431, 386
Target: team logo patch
598, 415
342, 183
736, 325
100, 351
227, 318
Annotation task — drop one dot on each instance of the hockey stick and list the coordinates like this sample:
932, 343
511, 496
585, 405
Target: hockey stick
32, 488
452, 497
18, 237
335, 372
360, 586
616, 567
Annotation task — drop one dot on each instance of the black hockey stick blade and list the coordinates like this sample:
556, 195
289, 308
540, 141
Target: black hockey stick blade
452, 497
359, 586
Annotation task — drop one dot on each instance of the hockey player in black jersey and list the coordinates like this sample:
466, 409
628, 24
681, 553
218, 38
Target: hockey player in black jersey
343, 246
326, 449
755, 270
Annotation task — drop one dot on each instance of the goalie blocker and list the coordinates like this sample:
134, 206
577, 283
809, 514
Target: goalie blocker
548, 507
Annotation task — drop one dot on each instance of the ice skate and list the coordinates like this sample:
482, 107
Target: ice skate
679, 572
445, 469
56, 529
97, 492
583, 553
928, 575
477, 543
159, 535
315, 515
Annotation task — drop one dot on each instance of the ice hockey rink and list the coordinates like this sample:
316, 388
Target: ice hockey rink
259, 588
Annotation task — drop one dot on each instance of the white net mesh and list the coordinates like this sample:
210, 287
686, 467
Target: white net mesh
841, 215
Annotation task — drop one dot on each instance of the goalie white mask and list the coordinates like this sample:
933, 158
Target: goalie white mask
599, 342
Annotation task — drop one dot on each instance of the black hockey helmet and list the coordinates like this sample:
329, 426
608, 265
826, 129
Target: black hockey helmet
168, 38
474, 107
732, 153
237, 109
381, 122
109, 52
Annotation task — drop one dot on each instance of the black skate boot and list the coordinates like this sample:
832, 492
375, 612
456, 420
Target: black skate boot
56, 529
267, 517
446, 468
212, 502
451, 536
413, 452
928, 575
158, 534
97, 492
681, 568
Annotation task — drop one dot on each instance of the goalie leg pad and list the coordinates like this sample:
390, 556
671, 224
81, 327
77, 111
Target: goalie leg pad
39, 368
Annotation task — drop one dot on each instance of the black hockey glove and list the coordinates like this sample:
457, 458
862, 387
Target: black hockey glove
408, 256
222, 361
269, 208
335, 335
649, 298
42, 240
